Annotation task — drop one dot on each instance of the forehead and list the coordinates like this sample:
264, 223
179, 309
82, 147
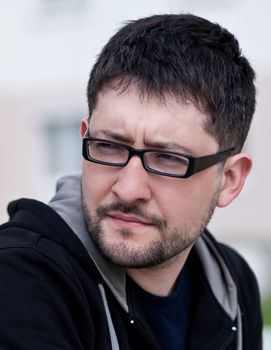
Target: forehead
144, 120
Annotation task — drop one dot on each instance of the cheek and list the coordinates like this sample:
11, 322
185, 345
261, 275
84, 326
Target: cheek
96, 184
186, 200
177, 206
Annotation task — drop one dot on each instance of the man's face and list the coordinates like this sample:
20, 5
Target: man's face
137, 218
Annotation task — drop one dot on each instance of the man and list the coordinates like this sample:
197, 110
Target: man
121, 258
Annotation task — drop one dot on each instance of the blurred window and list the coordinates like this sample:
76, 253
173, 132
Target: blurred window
63, 145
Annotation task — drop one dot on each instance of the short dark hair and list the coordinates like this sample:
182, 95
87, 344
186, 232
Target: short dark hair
188, 57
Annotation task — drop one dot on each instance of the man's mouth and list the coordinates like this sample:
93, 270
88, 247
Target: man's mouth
128, 220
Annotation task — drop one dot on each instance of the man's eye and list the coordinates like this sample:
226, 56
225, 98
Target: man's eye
170, 160
106, 146
108, 149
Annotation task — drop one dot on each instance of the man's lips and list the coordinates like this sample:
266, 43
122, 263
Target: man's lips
128, 219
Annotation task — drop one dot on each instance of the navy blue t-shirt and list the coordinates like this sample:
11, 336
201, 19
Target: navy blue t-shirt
168, 316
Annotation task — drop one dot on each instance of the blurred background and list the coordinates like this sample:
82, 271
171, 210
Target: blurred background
47, 48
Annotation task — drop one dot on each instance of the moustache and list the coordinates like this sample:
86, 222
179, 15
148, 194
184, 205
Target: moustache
153, 219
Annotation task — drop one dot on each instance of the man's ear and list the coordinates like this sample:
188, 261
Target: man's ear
235, 171
83, 128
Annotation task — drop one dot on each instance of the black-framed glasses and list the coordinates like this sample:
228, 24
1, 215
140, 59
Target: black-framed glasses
159, 162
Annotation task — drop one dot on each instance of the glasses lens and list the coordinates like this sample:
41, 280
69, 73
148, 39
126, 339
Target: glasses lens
168, 163
107, 152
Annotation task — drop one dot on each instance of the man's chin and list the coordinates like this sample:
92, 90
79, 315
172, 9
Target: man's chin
128, 254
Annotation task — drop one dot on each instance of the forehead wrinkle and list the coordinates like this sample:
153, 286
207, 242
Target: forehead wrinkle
167, 146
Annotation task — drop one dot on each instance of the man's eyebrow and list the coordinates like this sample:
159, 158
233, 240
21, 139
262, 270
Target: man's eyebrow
115, 136
167, 146
111, 135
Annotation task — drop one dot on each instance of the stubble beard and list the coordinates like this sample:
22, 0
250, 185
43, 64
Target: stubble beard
169, 243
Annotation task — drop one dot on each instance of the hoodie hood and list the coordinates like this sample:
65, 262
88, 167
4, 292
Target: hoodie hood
67, 202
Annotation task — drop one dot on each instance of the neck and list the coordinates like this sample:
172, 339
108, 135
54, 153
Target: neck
160, 280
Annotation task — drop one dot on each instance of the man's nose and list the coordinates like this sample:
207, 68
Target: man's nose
133, 182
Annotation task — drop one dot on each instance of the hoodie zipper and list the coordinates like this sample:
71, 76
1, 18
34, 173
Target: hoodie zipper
137, 325
228, 341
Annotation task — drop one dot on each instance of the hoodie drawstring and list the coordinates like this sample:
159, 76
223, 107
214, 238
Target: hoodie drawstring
239, 330
112, 332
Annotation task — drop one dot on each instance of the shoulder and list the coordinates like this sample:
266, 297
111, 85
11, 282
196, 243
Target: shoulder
248, 294
236, 263
35, 230
46, 281
31, 223
240, 269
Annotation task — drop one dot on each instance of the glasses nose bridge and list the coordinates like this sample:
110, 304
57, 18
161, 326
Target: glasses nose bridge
136, 152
